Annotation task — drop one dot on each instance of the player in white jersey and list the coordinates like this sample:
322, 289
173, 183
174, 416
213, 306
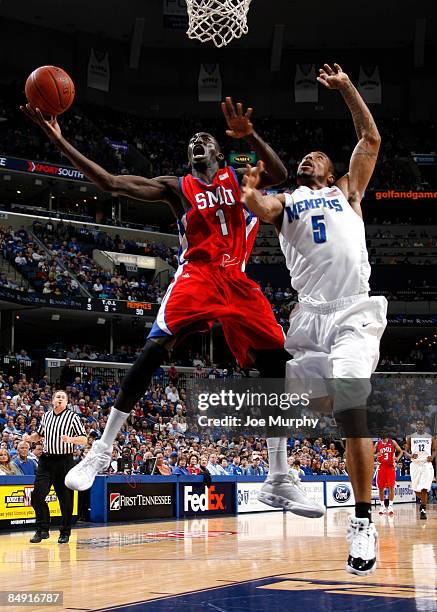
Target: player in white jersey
421, 448
336, 327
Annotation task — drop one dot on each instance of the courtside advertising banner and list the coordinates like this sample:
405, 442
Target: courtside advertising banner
16, 507
247, 496
140, 500
404, 492
341, 494
198, 499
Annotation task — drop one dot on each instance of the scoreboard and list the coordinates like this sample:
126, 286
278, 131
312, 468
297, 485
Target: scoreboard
132, 308
138, 309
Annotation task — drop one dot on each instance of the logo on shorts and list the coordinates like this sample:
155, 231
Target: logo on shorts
114, 501
366, 324
341, 493
186, 275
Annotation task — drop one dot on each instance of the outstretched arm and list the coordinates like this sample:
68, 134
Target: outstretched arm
138, 187
240, 126
364, 156
267, 208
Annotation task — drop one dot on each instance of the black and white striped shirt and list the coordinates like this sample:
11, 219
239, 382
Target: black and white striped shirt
54, 426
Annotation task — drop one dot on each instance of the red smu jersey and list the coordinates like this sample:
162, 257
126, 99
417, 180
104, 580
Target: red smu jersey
386, 452
218, 228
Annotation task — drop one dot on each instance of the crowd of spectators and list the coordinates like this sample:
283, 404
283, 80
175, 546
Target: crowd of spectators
156, 437
63, 268
21, 138
84, 238
41, 269
128, 143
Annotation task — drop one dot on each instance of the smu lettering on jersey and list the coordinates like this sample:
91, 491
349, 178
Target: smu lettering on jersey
218, 228
421, 446
386, 452
324, 244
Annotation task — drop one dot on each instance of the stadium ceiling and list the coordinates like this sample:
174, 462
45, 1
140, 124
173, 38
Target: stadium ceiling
315, 25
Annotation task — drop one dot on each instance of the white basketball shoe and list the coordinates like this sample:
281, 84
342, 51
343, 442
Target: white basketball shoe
363, 546
286, 491
82, 475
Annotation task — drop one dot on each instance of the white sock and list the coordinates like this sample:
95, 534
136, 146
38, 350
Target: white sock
115, 422
277, 448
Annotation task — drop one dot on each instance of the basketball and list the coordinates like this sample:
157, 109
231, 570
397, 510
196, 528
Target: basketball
50, 89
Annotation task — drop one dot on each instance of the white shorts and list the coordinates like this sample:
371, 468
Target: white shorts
422, 475
339, 339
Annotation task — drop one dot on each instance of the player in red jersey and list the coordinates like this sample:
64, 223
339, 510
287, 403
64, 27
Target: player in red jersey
386, 475
216, 236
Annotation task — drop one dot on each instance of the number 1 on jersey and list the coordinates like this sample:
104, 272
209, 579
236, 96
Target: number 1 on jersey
221, 215
319, 228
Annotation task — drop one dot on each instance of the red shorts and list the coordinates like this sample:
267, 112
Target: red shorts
386, 477
201, 294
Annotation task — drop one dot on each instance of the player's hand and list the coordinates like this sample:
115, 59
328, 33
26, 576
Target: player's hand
429, 459
333, 78
49, 126
251, 179
239, 123
414, 456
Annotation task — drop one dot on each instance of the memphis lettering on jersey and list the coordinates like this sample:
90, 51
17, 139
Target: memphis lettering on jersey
293, 212
209, 199
209, 500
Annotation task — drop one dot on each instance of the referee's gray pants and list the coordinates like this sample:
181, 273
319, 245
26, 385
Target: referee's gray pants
51, 471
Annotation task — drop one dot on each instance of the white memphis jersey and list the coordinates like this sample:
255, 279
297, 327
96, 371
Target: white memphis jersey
324, 244
421, 445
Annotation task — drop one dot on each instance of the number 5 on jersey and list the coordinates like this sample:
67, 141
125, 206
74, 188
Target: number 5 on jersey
319, 228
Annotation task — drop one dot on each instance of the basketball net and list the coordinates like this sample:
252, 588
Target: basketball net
218, 20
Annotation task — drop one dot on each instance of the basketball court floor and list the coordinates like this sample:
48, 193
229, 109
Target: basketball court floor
248, 562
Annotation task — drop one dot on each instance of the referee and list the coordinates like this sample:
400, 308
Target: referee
61, 429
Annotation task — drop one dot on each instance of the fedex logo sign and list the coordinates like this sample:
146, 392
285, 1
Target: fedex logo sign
208, 500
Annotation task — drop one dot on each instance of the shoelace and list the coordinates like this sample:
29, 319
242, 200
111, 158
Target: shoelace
358, 536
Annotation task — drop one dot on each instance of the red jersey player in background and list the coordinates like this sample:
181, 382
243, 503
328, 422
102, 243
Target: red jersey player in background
386, 475
217, 232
